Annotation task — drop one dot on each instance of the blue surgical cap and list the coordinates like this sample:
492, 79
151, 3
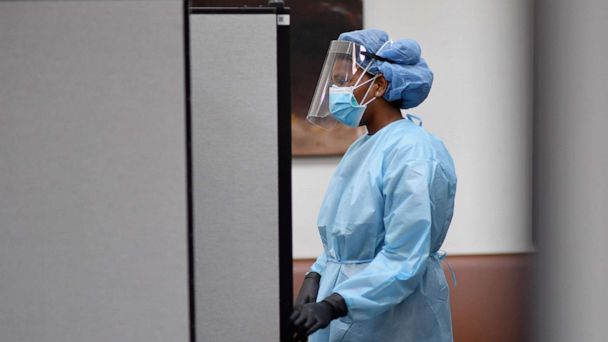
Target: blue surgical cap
409, 77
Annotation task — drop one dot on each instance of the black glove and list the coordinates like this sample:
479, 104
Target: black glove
314, 316
309, 290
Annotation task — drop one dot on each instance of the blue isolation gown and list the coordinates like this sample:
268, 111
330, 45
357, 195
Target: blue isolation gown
384, 217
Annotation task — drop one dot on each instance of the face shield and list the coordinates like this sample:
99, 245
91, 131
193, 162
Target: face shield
344, 66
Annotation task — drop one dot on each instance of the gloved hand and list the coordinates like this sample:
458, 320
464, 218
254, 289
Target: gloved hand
314, 316
308, 291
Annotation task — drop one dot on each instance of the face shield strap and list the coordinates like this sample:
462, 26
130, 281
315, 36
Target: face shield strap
374, 58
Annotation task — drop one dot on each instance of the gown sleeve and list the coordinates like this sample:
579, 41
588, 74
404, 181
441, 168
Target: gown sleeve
397, 269
319, 265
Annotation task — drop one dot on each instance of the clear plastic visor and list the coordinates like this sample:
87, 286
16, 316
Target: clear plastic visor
343, 67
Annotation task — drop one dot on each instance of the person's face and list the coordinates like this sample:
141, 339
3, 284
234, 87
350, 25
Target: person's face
345, 74
342, 72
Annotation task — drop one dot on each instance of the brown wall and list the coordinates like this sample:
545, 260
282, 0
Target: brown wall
490, 301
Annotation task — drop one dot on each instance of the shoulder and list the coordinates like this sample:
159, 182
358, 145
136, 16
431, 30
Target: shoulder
413, 144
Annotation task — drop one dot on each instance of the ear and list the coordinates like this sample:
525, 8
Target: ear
381, 85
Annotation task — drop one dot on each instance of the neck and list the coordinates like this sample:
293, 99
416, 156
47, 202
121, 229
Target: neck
378, 114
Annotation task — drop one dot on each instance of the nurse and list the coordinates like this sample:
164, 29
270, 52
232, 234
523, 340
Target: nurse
388, 206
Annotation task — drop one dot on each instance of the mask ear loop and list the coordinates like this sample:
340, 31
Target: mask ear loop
368, 89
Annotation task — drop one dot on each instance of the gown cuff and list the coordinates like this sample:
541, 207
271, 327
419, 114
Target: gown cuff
338, 304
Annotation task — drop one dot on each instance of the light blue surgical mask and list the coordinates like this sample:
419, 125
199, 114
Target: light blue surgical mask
344, 106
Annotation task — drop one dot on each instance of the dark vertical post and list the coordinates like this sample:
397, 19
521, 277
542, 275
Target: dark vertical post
284, 145
189, 200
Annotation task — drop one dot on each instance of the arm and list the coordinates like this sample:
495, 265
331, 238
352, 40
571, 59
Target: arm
396, 271
319, 265
310, 286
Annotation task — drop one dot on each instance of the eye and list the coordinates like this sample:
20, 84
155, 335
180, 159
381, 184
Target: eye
340, 80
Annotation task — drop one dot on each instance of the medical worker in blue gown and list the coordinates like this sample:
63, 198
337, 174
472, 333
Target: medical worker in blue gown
389, 204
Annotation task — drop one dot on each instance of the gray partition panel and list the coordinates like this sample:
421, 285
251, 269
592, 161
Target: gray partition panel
93, 216
234, 154
571, 166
